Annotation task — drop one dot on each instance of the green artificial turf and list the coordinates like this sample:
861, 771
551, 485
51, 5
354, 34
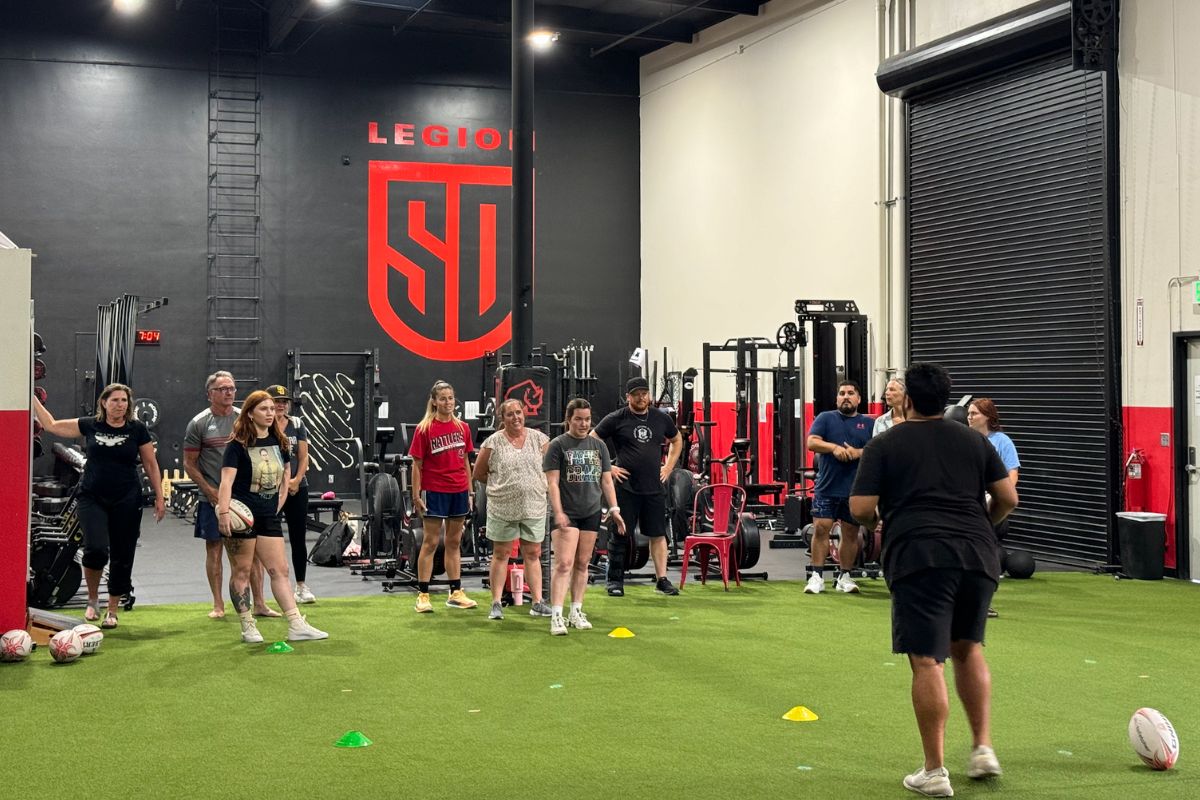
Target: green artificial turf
460, 707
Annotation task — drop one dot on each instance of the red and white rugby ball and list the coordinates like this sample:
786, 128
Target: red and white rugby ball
91, 636
1153, 738
240, 516
66, 646
15, 645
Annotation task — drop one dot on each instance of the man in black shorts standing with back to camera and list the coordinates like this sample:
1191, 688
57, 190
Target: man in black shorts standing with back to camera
639, 432
927, 478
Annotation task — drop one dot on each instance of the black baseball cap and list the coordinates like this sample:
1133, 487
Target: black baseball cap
278, 392
634, 384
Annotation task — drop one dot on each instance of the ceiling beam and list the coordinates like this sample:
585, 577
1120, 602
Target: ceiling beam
566, 19
282, 16
747, 7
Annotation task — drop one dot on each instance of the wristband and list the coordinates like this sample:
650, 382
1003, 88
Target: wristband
613, 508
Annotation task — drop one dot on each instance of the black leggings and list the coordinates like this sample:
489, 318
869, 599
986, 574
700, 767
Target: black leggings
295, 511
111, 528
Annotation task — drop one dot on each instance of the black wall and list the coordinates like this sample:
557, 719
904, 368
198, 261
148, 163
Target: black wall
103, 173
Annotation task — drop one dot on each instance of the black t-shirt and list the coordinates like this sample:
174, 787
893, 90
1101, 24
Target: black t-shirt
112, 456
261, 473
930, 478
639, 441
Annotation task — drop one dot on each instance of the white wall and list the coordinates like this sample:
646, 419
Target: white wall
761, 170
760, 176
1160, 186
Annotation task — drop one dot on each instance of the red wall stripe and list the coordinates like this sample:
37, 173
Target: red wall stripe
14, 518
1144, 426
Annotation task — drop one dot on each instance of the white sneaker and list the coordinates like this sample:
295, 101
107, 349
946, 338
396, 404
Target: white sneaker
815, 585
579, 620
304, 595
845, 583
935, 783
983, 763
558, 625
301, 631
250, 634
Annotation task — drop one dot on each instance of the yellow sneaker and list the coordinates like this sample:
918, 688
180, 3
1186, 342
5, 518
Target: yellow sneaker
458, 599
423, 605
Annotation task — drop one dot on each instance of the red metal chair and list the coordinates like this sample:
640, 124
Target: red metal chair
716, 520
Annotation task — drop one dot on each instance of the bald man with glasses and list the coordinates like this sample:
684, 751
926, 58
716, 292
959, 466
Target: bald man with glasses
203, 452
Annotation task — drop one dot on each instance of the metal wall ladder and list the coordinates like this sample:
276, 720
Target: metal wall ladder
235, 268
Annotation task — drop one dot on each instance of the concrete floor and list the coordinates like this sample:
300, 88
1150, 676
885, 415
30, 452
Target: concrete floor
169, 568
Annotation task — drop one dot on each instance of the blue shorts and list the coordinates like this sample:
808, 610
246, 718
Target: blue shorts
446, 505
206, 523
836, 508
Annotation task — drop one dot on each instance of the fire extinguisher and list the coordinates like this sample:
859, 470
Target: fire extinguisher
1135, 480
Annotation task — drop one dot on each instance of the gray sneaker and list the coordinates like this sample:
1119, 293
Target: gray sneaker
539, 609
497, 612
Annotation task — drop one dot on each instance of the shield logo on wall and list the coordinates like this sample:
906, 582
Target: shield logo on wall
431, 280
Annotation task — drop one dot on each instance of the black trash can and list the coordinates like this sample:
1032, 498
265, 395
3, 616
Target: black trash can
1142, 541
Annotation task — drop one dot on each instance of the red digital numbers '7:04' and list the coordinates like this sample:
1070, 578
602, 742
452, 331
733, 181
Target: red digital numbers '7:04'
148, 337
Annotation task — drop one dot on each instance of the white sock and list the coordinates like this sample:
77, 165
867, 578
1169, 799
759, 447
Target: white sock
576, 607
293, 617
556, 611
247, 618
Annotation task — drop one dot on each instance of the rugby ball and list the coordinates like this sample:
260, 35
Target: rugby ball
240, 517
1153, 738
66, 646
91, 636
15, 645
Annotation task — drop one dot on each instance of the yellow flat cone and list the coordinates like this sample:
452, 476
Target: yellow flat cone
621, 633
801, 714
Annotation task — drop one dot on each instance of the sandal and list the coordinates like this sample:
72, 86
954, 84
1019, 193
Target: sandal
91, 614
110, 620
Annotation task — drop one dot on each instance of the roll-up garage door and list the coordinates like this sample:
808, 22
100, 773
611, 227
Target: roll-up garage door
1011, 284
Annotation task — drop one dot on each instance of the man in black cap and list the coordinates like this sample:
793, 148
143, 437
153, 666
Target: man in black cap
639, 432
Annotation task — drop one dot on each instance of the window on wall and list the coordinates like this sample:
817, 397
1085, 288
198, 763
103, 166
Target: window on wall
1011, 284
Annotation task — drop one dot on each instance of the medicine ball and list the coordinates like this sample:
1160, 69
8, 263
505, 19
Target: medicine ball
1020, 564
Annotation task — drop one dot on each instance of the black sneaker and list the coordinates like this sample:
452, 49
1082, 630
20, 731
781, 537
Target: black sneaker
616, 590
664, 586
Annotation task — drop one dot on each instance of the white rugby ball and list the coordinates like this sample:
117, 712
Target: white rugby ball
15, 645
240, 516
66, 646
91, 636
1153, 738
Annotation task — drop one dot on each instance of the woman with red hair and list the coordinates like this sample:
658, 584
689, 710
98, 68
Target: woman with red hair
254, 464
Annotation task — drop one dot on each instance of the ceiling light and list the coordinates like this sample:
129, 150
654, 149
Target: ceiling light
542, 40
328, 3
129, 6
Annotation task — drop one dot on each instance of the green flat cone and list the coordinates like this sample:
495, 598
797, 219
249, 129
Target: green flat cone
280, 647
353, 739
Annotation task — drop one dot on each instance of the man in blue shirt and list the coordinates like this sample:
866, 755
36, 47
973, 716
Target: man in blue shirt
838, 437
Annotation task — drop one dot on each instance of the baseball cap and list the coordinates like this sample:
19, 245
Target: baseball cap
278, 392
634, 384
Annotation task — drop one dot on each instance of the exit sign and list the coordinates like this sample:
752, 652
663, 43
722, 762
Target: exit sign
1196, 292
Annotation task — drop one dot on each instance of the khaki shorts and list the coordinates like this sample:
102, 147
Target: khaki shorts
527, 530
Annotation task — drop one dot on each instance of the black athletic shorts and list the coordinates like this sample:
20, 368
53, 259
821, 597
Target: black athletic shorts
648, 512
934, 607
588, 523
263, 526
